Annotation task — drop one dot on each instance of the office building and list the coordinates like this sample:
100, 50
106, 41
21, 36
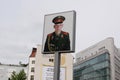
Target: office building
98, 62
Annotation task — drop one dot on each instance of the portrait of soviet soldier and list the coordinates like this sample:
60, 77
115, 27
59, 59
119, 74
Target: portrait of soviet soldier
59, 39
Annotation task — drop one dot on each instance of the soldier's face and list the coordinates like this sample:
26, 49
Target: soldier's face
58, 27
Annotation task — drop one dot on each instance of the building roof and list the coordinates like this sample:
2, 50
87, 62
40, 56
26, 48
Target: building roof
34, 50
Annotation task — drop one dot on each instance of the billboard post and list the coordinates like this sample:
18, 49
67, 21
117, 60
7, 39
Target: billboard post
57, 66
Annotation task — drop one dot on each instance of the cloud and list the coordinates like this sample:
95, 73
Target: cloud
22, 22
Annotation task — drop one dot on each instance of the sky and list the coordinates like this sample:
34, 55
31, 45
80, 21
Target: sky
22, 22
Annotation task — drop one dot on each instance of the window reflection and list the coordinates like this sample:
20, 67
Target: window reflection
94, 69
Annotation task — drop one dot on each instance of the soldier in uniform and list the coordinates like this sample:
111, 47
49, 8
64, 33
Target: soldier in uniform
57, 40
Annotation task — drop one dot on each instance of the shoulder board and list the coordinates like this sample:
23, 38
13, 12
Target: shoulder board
50, 34
65, 33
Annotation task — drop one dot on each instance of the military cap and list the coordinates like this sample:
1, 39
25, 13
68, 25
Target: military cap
58, 19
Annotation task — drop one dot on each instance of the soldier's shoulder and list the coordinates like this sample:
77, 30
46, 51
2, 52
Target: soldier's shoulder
50, 34
65, 33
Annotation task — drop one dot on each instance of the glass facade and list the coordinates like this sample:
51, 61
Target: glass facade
97, 68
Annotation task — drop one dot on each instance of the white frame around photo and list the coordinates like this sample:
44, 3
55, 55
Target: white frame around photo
69, 26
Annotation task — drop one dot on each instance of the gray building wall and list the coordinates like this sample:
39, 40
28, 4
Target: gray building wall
6, 70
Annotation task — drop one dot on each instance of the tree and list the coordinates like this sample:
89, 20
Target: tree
20, 76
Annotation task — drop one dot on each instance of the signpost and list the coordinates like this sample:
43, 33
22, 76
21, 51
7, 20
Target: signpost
59, 36
57, 65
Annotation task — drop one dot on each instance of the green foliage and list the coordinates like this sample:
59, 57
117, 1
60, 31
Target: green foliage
20, 76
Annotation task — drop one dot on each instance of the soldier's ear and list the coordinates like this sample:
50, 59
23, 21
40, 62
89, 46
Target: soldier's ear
54, 26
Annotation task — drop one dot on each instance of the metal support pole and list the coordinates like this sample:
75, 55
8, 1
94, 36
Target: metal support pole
57, 66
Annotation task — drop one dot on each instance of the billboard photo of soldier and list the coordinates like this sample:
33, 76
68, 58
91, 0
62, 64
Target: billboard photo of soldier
59, 32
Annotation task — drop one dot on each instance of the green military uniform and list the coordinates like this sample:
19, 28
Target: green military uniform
59, 42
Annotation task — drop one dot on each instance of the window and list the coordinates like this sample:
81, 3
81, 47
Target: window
96, 68
33, 62
32, 77
51, 60
32, 69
